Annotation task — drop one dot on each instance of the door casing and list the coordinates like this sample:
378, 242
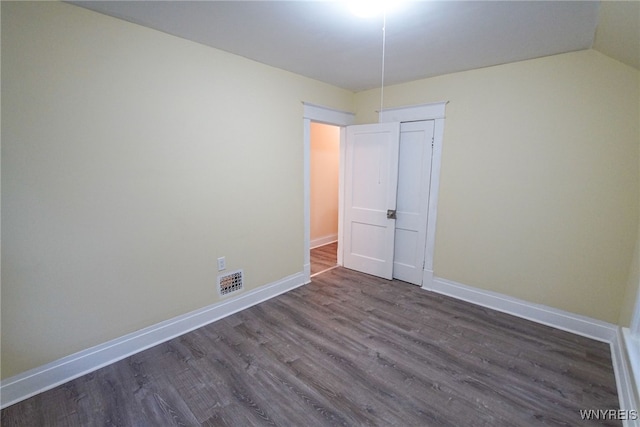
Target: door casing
434, 111
330, 116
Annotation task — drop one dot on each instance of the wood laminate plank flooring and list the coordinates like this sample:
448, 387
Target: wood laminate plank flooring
346, 350
324, 257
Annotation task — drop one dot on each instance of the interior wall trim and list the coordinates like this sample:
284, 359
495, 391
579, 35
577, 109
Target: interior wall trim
560, 319
434, 111
321, 241
46, 377
322, 114
410, 113
622, 359
330, 116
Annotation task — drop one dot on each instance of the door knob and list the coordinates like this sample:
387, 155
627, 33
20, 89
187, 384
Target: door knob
391, 214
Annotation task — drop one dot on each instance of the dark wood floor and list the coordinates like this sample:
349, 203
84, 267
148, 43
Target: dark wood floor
324, 257
347, 349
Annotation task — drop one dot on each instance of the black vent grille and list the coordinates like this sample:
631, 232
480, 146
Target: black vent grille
231, 282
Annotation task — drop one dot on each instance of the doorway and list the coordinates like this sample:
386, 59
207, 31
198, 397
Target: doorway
319, 114
324, 180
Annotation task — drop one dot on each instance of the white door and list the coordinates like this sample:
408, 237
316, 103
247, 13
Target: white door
414, 179
371, 179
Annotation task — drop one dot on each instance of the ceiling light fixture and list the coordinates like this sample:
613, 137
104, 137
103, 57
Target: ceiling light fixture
372, 8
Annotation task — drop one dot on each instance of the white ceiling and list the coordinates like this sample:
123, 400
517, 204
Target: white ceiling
322, 40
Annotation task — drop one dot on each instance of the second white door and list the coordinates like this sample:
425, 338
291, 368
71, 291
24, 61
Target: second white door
414, 179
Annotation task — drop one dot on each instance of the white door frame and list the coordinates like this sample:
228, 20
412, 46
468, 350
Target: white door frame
436, 112
330, 116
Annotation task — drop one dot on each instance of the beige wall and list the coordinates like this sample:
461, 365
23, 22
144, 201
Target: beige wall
131, 160
539, 183
633, 284
324, 171
629, 300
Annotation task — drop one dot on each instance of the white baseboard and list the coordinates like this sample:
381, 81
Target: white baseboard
622, 357
630, 345
570, 322
37, 380
427, 279
321, 241
307, 273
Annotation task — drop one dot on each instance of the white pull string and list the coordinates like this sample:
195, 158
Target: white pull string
384, 42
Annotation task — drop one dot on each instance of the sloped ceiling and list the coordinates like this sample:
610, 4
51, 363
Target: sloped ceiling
322, 40
618, 32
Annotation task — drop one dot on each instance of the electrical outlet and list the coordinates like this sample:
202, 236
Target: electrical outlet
222, 263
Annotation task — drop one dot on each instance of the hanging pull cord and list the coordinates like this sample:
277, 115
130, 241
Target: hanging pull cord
384, 42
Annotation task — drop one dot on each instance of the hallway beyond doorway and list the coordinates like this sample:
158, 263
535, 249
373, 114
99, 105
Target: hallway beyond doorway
324, 258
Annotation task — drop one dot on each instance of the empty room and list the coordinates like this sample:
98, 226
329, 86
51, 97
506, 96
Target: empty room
159, 213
